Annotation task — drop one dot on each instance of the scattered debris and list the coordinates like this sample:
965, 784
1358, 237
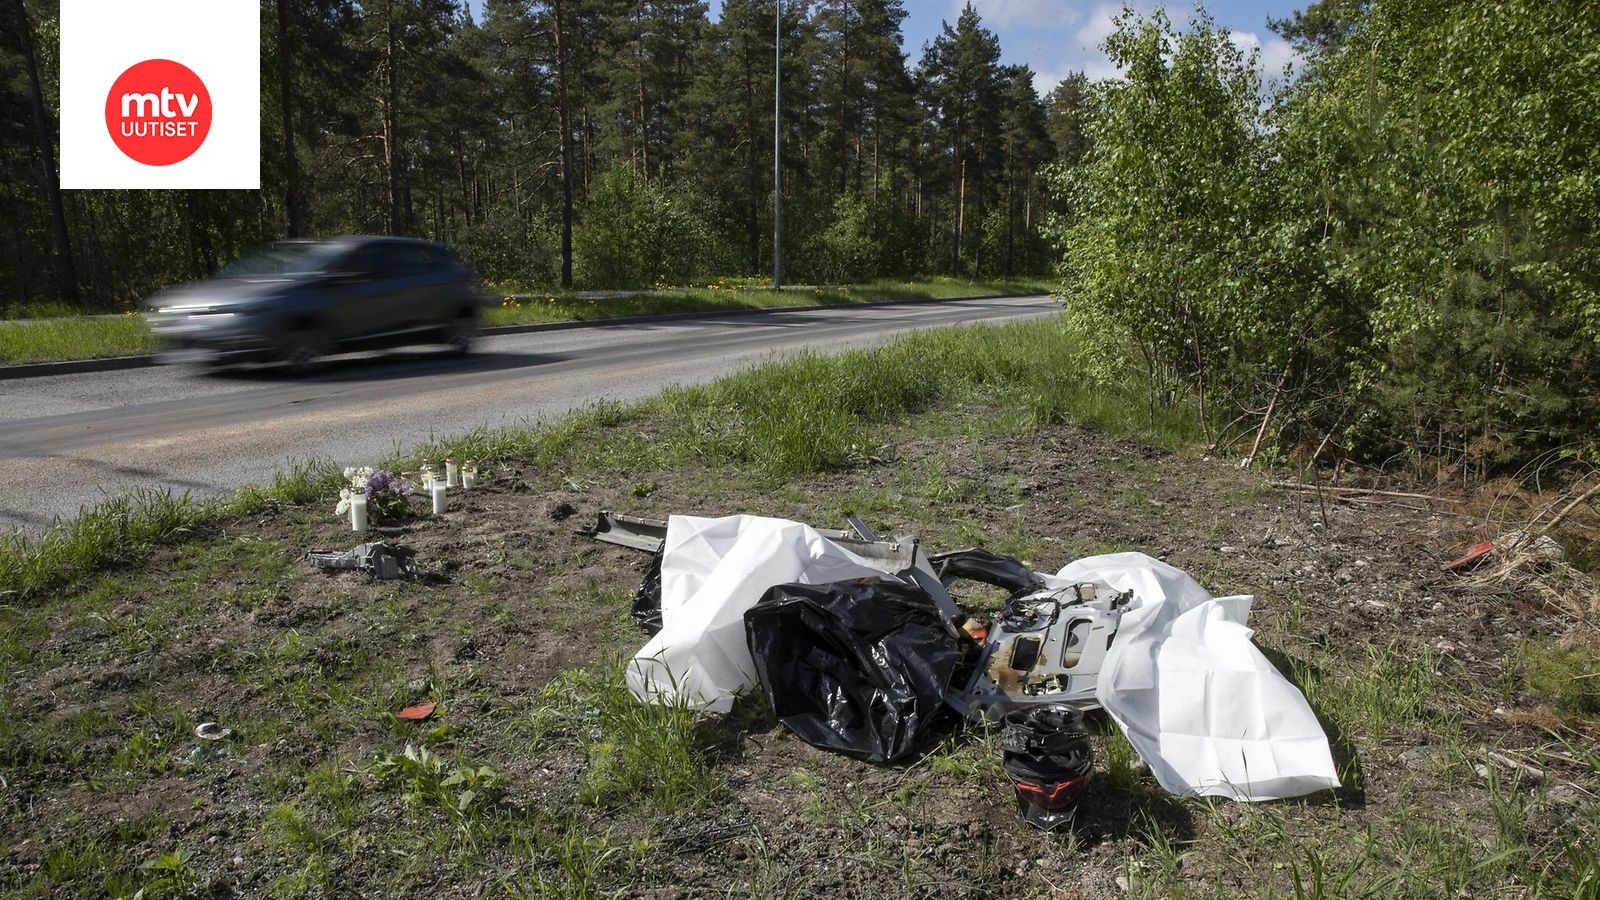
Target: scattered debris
851, 637
417, 712
1534, 774
377, 559
205, 753
1474, 555
1050, 761
211, 731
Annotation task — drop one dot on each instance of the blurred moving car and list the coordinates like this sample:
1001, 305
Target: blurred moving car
298, 301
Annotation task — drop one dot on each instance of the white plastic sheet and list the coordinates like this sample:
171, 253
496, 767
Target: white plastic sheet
712, 570
1198, 700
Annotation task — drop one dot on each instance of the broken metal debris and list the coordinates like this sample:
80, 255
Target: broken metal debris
377, 559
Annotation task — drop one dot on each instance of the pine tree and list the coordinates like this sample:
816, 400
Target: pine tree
961, 87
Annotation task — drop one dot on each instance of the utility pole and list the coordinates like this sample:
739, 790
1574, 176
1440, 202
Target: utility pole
777, 146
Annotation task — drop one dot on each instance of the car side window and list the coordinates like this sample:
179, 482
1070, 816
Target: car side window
370, 262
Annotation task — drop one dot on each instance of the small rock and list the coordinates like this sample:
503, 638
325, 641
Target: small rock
1227, 549
1482, 770
1344, 577
562, 511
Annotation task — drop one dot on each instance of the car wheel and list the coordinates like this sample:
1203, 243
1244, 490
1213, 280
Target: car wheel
459, 335
301, 351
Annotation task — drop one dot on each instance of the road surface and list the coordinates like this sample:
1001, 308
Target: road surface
70, 440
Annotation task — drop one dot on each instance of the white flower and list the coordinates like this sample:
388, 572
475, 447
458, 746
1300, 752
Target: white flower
349, 472
344, 502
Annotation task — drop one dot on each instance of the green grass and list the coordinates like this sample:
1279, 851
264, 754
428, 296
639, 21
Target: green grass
1566, 677
73, 338
814, 413
125, 528
62, 334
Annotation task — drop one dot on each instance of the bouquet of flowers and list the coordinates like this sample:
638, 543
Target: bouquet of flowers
386, 493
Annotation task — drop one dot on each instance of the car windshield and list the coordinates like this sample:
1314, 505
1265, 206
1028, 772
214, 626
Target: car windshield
282, 259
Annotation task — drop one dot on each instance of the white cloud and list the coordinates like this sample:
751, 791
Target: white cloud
996, 14
1272, 55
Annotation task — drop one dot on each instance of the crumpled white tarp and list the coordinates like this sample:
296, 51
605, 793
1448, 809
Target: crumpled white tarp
1198, 700
712, 570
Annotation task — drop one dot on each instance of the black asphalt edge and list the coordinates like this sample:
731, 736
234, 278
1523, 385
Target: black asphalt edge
112, 363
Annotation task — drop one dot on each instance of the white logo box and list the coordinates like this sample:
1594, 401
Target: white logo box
219, 39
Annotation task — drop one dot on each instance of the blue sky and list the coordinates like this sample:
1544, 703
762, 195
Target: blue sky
1056, 37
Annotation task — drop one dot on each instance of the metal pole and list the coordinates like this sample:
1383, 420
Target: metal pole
777, 146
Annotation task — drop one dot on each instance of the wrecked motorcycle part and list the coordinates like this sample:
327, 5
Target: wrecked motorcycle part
628, 531
1049, 760
858, 667
985, 566
648, 535
377, 559
1044, 648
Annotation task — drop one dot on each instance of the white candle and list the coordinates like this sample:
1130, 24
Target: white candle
438, 497
358, 512
468, 476
452, 472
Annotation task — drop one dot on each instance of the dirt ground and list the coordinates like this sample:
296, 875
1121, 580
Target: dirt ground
1417, 678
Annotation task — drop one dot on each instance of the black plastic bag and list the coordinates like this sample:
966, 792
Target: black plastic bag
856, 667
647, 599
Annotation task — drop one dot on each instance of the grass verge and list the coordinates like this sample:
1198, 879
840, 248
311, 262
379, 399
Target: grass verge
81, 337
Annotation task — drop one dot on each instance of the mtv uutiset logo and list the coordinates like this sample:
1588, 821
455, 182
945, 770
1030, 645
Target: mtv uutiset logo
160, 94
158, 128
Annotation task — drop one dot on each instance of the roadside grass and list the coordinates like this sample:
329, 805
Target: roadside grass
523, 308
124, 529
813, 413
80, 337
62, 333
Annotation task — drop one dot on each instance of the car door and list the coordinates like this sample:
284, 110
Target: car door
363, 296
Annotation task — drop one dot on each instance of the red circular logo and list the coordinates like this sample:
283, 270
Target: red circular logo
158, 112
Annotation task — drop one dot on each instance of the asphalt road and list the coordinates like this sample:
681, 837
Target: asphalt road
70, 440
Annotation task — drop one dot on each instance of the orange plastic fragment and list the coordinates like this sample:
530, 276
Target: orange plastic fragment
417, 713
1471, 558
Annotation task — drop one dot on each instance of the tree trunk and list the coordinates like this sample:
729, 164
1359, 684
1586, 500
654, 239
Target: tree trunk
65, 272
961, 219
391, 124
291, 184
564, 111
